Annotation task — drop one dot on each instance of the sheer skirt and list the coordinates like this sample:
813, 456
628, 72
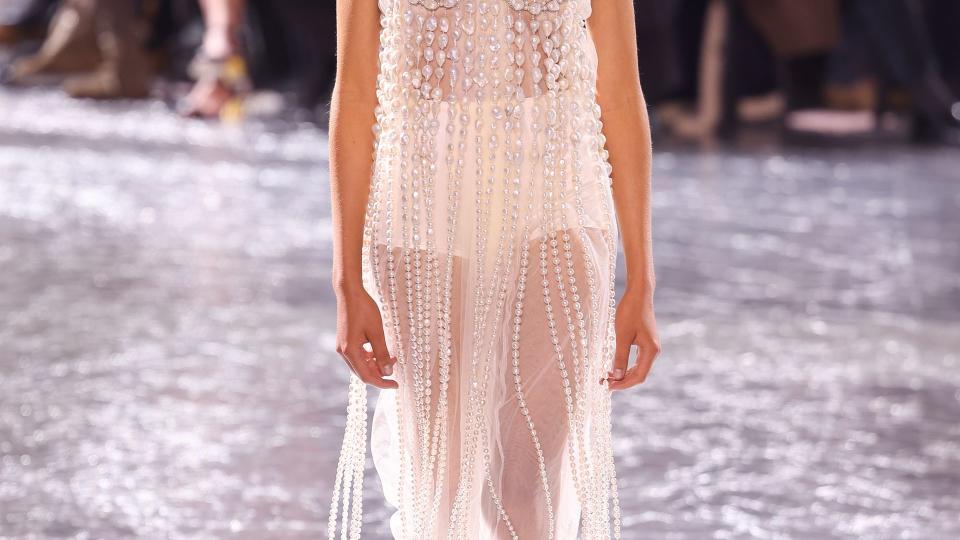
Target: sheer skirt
498, 302
519, 430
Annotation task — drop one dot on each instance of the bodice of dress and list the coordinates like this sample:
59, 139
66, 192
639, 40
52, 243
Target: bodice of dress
454, 49
490, 92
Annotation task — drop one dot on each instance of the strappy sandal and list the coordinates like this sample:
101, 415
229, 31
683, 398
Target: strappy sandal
224, 81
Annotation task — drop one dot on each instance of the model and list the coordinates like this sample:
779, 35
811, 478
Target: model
486, 158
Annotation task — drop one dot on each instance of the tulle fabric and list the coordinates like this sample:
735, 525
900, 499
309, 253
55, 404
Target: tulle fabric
513, 466
489, 245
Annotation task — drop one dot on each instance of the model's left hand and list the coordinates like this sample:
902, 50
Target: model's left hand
635, 324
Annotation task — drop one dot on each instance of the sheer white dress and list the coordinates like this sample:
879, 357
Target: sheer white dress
490, 246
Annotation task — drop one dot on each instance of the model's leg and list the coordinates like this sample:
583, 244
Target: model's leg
534, 430
222, 21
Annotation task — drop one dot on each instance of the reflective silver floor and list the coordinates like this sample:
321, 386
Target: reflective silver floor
166, 344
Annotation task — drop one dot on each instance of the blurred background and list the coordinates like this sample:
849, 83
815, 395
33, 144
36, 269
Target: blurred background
167, 365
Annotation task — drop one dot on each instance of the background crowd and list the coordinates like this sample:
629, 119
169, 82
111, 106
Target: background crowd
844, 68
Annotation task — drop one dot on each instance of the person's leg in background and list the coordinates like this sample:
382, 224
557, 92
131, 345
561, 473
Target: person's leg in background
222, 20
219, 67
942, 18
70, 46
851, 72
729, 62
899, 37
749, 70
686, 30
801, 34
702, 81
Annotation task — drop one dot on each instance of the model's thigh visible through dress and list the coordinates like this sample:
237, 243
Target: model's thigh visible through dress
556, 366
520, 482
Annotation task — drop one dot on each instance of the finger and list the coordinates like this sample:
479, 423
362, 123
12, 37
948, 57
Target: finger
357, 357
381, 354
633, 377
620, 358
374, 366
639, 372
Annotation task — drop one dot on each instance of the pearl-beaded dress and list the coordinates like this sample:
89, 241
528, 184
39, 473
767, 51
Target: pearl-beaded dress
490, 246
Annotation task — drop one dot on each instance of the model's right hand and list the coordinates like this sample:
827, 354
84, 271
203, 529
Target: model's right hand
359, 322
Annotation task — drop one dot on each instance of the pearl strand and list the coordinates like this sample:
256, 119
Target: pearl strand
350, 466
465, 485
510, 112
453, 179
446, 323
557, 117
605, 184
518, 385
411, 102
484, 212
589, 372
577, 452
412, 265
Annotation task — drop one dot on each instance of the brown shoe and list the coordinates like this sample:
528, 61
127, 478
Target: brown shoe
124, 71
107, 82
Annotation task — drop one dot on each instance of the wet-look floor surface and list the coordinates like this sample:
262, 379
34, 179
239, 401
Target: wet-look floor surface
167, 365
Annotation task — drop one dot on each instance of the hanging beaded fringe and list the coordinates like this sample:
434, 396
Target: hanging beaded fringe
350, 466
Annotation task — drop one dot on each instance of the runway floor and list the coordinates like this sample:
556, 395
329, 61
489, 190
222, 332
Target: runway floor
167, 366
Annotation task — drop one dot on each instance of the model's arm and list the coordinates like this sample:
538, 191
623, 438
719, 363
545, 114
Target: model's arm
351, 163
626, 127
